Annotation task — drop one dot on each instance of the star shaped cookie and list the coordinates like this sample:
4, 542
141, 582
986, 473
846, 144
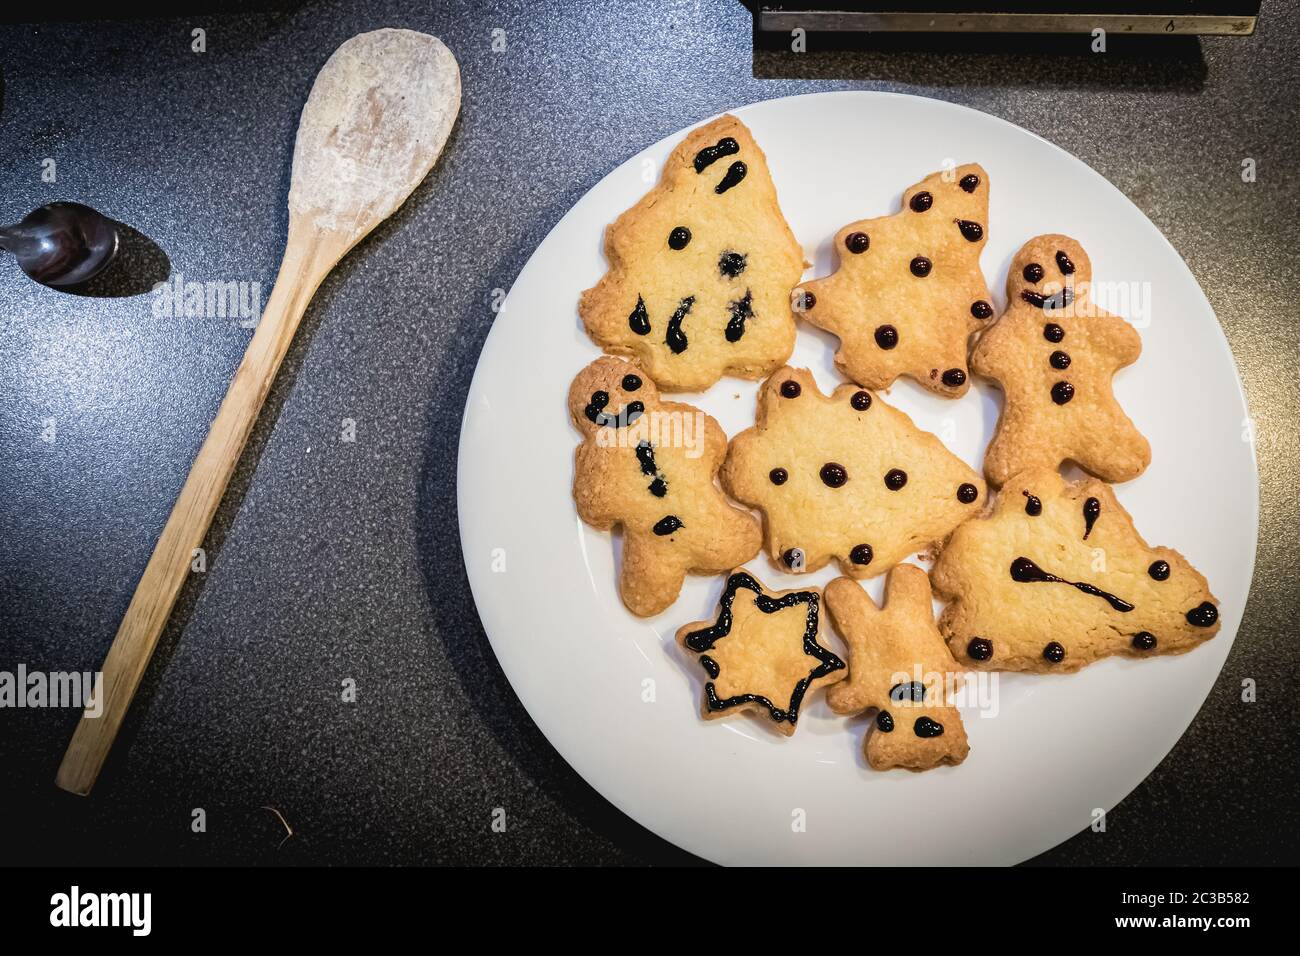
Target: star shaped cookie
907, 291
899, 667
761, 654
846, 477
1054, 353
1058, 577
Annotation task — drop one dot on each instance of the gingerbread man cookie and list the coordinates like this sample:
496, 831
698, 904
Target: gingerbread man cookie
908, 291
899, 667
845, 476
650, 465
700, 270
1054, 353
1057, 577
761, 654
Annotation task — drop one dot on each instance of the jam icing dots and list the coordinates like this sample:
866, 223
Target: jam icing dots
649, 466
907, 292
1057, 577
700, 270
1054, 353
845, 476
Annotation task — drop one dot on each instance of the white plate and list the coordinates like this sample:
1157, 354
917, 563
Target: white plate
618, 699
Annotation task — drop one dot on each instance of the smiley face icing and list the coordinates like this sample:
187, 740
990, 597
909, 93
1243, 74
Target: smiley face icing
761, 655
1054, 353
907, 292
1057, 577
845, 476
899, 667
700, 270
649, 466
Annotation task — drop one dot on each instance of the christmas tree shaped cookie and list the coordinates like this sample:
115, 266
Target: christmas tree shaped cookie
899, 667
908, 292
1057, 577
761, 655
845, 476
649, 466
1054, 353
700, 270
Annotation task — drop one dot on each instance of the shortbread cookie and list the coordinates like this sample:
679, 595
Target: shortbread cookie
847, 477
899, 667
649, 466
700, 270
1053, 353
1057, 577
908, 291
761, 654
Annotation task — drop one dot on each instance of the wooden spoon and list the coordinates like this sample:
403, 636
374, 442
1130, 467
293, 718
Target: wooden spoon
376, 121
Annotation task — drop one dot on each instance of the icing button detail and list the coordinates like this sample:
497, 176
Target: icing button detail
921, 267
1053, 653
790, 388
967, 493
679, 238
886, 336
861, 400
1159, 570
857, 242
921, 202
979, 649
834, 474
954, 378
895, 479
1062, 392
861, 554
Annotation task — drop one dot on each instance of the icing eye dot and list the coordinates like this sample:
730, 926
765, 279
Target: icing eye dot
834, 474
969, 182
886, 336
979, 649
1159, 570
803, 300
954, 378
1033, 505
967, 493
1060, 360
921, 267
631, 383
778, 476
731, 264
925, 727
667, 525
1064, 264
1203, 615
895, 479
679, 237
1062, 392
1053, 332
1033, 272
884, 722
970, 231
857, 242
861, 401
921, 202
1054, 653
793, 558
1144, 640
861, 554
981, 309
790, 388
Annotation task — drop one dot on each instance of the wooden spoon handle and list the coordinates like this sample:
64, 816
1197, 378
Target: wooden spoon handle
308, 256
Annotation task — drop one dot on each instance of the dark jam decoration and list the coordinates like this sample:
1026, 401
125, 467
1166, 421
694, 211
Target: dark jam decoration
1064, 264
1036, 299
631, 383
803, 300
792, 557
895, 479
679, 238
1033, 272
981, 309
954, 378
1062, 392
1203, 615
1053, 332
790, 388
884, 722
921, 267
731, 264
1053, 653
596, 414
778, 476
639, 320
701, 641
969, 182
711, 154
834, 474
861, 401
1059, 300
967, 493
1025, 571
921, 202
913, 692
1059, 360
658, 488
970, 231
645, 454
857, 242
1159, 570
979, 649
861, 554
925, 727
675, 338
741, 311
735, 173
667, 525
1144, 641
1033, 505
1091, 511
886, 336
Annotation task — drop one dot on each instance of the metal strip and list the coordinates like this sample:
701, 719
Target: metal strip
852, 21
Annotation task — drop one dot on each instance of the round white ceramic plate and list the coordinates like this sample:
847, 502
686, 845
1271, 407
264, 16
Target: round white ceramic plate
620, 701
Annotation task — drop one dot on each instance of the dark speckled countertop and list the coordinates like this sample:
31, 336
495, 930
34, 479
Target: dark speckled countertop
333, 560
